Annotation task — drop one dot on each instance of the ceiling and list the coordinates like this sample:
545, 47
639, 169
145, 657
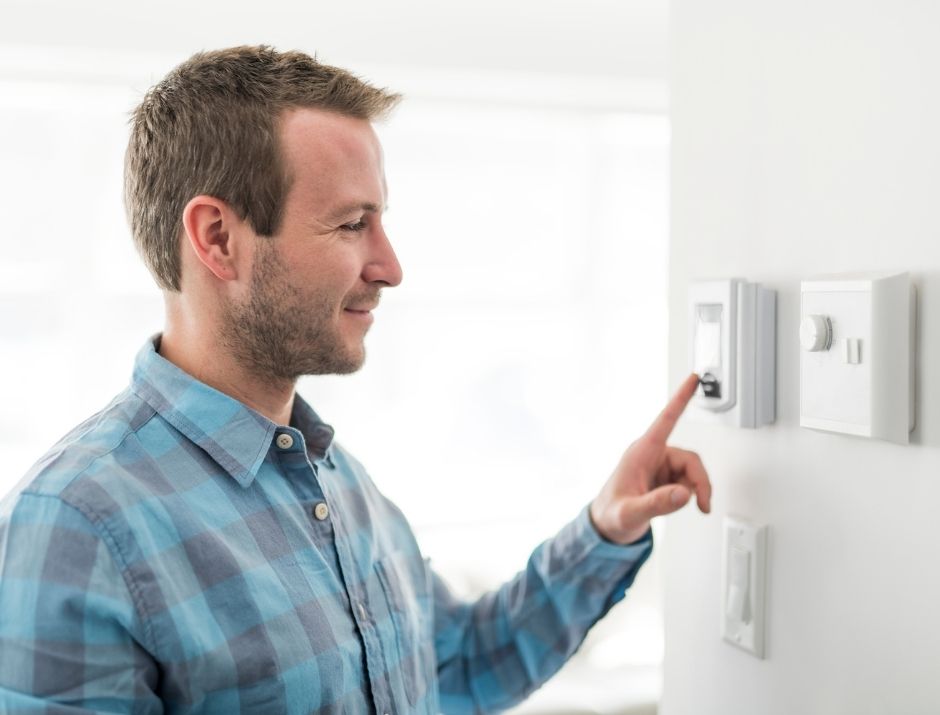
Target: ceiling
625, 39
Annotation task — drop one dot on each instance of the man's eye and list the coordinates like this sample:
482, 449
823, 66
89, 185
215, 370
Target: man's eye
357, 226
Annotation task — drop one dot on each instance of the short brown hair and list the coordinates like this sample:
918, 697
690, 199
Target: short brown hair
211, 127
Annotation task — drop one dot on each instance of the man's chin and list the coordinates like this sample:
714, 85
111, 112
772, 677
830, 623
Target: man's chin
336, 364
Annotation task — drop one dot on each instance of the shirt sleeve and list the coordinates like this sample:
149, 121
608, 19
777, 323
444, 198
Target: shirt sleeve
493, 653
70, 638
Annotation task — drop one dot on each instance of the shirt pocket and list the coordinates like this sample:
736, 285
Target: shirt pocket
406, 584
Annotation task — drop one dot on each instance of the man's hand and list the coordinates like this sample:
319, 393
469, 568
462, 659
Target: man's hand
652, 479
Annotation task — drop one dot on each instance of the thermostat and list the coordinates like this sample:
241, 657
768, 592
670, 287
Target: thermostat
732, 339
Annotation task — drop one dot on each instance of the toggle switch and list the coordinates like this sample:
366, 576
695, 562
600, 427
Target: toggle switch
852, 351
739, 581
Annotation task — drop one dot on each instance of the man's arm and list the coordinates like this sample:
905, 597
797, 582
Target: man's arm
70, 636
495, 652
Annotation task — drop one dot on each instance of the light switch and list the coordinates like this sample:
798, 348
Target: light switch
745, 565
864, 384
853, 351
732, 342
739, 578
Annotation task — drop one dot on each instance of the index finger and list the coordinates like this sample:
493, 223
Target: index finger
663, 425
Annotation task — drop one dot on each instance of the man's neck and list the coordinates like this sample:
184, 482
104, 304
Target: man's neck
210, 364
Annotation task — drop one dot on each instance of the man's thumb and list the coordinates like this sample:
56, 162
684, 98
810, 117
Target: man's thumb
666, 500
637, 511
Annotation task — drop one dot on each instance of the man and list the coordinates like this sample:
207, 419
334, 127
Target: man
203, 545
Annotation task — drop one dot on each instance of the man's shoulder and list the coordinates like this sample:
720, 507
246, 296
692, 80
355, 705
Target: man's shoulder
89, 455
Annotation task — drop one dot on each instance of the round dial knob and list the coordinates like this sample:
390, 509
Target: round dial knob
816, 333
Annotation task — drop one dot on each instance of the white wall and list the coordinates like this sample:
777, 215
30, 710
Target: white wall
806, 139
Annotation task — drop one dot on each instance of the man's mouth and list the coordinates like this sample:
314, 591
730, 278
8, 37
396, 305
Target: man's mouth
367, 305
363, 313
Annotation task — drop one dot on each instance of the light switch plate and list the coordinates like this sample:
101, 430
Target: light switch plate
732, 346
744, 569
857, 356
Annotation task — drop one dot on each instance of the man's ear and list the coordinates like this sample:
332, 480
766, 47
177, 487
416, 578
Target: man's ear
213, 231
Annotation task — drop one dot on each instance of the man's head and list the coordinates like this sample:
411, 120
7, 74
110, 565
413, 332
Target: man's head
211, 127
254, 183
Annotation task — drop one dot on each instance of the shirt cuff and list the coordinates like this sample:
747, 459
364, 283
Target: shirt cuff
580, 540
647, 536
579, 554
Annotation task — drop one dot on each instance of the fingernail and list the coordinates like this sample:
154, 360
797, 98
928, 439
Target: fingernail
676, 497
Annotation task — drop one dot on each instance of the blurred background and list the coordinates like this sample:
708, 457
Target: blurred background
528, 193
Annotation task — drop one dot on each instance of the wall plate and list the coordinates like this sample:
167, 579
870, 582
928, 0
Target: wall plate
857, 355
744, 568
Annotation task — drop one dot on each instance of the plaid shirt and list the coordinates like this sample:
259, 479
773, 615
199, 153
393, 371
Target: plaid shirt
180, 553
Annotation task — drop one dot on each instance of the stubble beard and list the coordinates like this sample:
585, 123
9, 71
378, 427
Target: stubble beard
279, 334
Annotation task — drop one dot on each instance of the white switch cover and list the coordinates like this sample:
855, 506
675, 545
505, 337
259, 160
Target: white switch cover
857, 355
732, 334
744, 568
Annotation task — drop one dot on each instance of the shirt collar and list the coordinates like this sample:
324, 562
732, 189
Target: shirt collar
234, 435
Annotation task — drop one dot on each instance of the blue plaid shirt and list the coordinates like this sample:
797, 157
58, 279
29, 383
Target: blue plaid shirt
180, 553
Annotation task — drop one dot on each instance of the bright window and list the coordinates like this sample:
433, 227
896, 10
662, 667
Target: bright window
523, 352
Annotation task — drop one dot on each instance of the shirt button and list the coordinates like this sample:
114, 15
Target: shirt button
362, 610
285, 441
321, 511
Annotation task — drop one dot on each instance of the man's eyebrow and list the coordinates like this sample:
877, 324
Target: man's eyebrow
348, 209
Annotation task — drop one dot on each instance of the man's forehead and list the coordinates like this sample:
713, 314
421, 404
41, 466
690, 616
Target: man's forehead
331, 134
333, 157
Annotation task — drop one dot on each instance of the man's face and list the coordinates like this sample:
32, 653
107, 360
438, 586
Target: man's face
314, 284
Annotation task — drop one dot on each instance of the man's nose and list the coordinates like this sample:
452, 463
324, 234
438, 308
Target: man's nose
383, 266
